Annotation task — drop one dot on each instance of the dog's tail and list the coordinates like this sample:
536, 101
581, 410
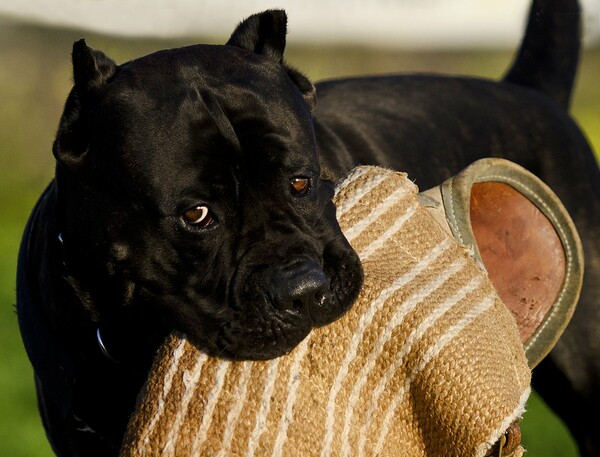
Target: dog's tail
549, 53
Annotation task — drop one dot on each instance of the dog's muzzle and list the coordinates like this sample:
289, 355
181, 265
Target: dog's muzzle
299, 286
276, 306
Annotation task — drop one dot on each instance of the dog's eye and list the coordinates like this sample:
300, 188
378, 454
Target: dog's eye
300, 185
199, 216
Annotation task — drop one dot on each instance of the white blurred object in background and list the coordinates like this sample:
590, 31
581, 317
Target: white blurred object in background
390, 23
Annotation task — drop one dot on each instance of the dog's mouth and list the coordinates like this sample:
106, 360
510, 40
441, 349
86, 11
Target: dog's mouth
250, 337
265, 308
276, 306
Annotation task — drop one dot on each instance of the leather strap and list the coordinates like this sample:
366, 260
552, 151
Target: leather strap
521, 233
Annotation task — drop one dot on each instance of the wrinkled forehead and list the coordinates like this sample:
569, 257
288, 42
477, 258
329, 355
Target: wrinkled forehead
173, 82
205, 88
181, 109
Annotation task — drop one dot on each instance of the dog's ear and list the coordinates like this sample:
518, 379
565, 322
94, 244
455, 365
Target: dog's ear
91, 68
264, 33
91, 71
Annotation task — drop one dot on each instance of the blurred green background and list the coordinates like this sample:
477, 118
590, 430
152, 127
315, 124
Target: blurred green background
35, 77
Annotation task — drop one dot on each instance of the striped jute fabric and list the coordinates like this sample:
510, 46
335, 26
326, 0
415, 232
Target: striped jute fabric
427, 363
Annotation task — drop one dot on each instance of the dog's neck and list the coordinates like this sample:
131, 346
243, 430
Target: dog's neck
86, 300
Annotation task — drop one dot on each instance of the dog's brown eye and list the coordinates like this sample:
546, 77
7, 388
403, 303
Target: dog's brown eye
198, 216
300, 185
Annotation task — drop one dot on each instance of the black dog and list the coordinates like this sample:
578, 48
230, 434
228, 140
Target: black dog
193, 192
188, 196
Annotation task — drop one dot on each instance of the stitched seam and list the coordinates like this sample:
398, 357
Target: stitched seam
454, 224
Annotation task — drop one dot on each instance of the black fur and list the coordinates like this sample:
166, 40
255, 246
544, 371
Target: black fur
230, 127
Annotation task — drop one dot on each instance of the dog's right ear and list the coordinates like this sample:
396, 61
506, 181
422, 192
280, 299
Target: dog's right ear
92, 70
264, 33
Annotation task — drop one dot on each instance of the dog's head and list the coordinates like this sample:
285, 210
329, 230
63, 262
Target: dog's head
190, 191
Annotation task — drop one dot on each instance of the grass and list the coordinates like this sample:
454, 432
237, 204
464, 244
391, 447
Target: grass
34, 81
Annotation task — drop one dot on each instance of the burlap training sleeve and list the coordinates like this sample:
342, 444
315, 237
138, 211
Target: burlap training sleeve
427, 363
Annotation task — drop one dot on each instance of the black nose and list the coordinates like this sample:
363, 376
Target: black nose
299, 286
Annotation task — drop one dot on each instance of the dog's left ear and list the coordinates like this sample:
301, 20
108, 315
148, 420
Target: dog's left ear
92, 70
264, 33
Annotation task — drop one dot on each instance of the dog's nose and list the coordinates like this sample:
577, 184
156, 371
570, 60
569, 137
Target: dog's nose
300, 286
